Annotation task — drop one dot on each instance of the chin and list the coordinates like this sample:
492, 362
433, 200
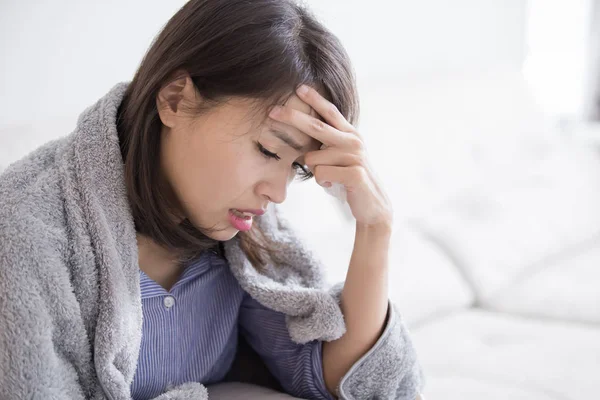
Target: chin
224, 236
223, 232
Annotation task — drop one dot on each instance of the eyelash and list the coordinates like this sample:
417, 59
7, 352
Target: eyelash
304, 173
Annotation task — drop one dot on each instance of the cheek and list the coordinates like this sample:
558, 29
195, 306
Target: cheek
192, 169
242, 172
219, 171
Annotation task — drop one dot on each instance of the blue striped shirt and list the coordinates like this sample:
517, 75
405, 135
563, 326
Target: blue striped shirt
190, 334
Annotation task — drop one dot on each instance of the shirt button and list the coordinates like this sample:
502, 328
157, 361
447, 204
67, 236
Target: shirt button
169, 301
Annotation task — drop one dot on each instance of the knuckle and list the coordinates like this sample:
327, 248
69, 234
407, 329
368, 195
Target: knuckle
318, 125
359, 159
310, 159
356, 143
359, 173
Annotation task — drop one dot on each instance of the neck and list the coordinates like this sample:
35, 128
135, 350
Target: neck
159, 263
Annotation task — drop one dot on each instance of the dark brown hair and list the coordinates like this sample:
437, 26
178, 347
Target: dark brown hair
261, 49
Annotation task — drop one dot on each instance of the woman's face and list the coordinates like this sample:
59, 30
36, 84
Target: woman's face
214, 163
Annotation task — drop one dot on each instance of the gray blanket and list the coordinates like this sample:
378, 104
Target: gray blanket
70, 307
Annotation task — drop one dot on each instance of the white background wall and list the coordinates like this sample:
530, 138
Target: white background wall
59, 56
558, 65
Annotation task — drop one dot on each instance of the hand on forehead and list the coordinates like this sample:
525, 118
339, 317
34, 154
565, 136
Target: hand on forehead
330, 127
296, 103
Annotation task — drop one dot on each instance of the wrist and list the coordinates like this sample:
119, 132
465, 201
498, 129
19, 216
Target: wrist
380, 228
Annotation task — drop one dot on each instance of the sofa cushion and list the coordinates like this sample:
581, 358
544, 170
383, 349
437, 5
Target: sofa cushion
498, 232
476, 354
567, 288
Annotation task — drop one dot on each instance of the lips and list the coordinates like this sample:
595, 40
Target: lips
250, 212
240, 221
241, 214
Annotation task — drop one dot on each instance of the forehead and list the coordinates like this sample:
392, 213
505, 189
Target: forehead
256, 114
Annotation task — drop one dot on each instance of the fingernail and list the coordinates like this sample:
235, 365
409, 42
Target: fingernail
275, 111
327, 184
303, 89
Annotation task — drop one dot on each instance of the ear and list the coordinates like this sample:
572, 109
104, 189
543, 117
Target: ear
171, 97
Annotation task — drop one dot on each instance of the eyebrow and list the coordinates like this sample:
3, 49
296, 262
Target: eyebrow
287, 139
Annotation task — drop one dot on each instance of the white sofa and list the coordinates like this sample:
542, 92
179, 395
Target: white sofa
495, 258
530, 254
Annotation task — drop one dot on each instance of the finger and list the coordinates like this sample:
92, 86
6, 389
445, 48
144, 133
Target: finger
312, 126
331, 156
324, 108
350, 177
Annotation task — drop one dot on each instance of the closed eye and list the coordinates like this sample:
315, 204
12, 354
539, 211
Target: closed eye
266, 152
304, 173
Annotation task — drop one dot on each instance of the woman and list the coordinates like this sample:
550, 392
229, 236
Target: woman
136, 260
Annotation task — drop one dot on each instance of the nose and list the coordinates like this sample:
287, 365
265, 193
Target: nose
275, 189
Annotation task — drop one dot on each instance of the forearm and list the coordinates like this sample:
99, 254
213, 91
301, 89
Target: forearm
364, 303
